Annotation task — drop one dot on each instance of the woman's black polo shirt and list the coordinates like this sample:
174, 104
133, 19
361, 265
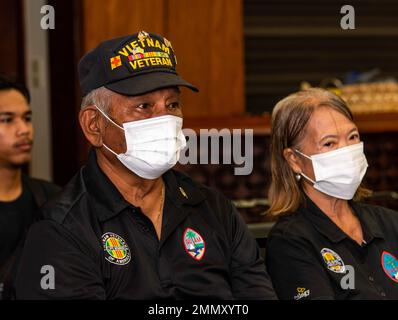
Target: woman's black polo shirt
309, 257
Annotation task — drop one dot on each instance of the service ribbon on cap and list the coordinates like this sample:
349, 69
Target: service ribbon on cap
145, 52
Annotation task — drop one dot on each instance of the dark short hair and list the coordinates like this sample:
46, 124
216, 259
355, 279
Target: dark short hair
8, 84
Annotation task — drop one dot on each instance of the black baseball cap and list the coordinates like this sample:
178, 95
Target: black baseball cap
131, 65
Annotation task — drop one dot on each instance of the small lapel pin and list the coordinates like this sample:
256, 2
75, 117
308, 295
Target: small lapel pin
183, 192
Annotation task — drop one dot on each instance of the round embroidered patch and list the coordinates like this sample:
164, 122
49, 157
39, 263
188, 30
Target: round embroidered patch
390, 265
115, 248
333, 261
194, 244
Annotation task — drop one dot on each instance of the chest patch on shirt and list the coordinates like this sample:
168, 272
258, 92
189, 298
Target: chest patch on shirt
333, 261
116, 249
390, 265
194, 244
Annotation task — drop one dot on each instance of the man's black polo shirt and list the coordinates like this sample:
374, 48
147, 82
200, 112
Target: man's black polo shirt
101, 247
308, 255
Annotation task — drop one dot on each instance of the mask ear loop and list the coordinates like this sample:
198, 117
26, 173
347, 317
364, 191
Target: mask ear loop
301, 173
106, 116
304, 155
109, 149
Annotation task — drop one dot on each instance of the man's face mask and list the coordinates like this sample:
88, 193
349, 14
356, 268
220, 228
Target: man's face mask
338, 173
153, 145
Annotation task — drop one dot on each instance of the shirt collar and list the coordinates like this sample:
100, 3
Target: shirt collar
370, 226
179, 189
106, 199
321, 221
329, 229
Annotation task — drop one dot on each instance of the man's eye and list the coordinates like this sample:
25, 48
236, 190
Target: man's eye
174, 105
6, 120
28, 118
328, 144
143, 106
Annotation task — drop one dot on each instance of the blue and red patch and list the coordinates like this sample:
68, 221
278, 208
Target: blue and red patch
194, 244
390, 265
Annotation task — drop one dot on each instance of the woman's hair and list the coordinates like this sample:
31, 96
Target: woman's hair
289, 121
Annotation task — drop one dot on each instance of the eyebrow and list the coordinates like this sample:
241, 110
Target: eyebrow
335, 136
8, 113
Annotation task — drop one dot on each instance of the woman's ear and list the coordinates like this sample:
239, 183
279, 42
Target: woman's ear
292, 159
89, 122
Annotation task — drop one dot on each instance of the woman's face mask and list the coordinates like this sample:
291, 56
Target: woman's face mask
153, 145
338, 173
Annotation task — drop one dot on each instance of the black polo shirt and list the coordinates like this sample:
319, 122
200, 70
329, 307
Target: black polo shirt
101, 247
309, 257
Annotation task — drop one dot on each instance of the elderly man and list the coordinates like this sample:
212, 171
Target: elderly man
20, 195
127, 226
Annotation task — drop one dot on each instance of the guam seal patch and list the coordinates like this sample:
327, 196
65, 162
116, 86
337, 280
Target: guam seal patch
390, 265
194, 244
333, 261
116, 249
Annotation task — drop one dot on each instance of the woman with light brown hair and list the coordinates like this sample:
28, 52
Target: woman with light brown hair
326, 244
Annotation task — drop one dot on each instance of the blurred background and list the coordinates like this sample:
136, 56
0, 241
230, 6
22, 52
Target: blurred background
244, 55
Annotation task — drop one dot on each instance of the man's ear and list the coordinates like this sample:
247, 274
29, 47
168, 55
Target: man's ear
292, 159
89, 122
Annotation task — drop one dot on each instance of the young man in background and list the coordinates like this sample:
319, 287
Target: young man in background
20, 195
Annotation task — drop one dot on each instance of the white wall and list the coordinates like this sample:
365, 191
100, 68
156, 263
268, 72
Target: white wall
37, 72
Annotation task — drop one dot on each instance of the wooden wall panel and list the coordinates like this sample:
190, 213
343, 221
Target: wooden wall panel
69, 148
207, 36
11, 42
105, 19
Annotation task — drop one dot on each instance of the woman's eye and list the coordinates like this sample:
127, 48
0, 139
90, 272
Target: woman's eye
328, 144
354, 137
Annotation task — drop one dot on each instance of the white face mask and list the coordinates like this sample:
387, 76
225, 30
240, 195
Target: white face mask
339, 173
153, 145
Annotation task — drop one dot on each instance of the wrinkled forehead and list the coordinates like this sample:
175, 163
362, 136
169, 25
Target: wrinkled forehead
329, 121
153, 96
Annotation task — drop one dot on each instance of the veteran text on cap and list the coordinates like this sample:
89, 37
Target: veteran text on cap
131, 65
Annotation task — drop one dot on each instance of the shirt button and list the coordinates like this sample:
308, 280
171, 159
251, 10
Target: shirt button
383, 294
371, 279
